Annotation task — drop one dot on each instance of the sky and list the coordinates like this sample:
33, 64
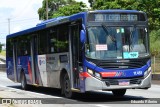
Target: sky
22, 15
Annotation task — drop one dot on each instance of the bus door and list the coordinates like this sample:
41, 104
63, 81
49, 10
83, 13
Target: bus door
34, 53
74, 54
15, 59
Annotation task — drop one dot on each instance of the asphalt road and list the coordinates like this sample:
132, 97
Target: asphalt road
49, 96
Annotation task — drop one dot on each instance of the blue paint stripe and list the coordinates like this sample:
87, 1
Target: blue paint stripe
129, 72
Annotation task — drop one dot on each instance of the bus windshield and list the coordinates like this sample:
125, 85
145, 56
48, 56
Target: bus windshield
120, 42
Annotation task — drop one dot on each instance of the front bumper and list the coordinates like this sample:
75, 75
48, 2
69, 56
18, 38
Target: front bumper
93, 83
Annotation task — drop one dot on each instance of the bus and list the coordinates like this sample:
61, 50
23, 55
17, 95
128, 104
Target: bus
105, 50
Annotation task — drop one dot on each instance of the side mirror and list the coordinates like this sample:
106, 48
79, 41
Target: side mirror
83, 36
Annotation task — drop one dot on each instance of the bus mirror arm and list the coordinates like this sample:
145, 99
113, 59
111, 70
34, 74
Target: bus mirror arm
83, 37
83, 26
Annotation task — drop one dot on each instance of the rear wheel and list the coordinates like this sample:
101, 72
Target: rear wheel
23, 82
67, 86
119, 93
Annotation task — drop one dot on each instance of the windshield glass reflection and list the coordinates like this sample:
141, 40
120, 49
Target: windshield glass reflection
116, 42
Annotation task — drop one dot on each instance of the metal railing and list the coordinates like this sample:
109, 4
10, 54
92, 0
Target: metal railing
155, 65
2, 63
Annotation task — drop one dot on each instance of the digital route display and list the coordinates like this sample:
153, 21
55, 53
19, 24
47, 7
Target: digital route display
101, 17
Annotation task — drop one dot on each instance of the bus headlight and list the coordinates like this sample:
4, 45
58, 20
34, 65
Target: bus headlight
93, 73
97, 75
147, 72
90, 72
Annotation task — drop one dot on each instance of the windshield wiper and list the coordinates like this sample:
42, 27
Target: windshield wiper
105, 27
132, 34
106, 30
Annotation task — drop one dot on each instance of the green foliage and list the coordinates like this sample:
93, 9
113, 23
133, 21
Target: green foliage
60, 8
152, 8
155, 43
53, 5
113, 4
70, 9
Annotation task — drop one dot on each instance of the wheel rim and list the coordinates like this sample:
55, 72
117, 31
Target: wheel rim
67, 87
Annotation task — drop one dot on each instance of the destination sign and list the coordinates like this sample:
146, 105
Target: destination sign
99, 17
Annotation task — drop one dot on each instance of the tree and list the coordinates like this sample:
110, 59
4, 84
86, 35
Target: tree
70, 9
91, 2
152, 8
155, 42
58, 6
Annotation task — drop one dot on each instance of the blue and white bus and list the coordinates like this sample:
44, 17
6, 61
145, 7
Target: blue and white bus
104, 50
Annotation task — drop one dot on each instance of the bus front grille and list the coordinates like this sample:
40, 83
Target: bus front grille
122, 65
116, 81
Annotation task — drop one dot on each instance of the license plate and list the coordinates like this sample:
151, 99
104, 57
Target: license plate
124, 83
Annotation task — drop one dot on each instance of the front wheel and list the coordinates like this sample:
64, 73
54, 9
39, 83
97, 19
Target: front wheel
67, 87
119, 92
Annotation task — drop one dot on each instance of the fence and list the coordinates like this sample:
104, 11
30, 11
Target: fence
155, 65
2, 67
2, 63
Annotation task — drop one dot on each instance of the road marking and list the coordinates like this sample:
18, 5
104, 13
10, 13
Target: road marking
102, 105
29, 92
2, 86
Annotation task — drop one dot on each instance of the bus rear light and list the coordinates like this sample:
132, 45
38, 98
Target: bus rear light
108, 74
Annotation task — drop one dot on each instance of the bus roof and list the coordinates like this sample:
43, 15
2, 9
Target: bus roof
48, 23
63, 19
116, 11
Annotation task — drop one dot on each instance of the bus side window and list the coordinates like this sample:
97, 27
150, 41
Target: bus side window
63, 37
42, 42
20, 46
52, 40
23, 45
9, 48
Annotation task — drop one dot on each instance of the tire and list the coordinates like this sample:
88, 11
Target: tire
23, 82
67, 86
119, 93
